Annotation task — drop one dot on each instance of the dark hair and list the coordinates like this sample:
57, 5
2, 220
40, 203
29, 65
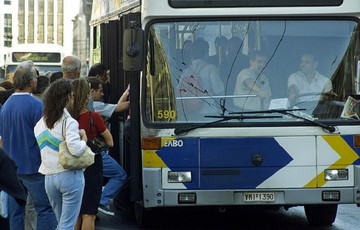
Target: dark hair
55, 100
187, 52
4, 95
7, 85
54, 76
220, 41
94, 83
42, 84
97, 69
81, 90
234, 44
199, 48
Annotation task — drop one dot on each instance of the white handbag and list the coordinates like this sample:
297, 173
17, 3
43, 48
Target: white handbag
69, 161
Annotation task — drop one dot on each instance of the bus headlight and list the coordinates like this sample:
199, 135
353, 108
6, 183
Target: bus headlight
179, 177
336, 174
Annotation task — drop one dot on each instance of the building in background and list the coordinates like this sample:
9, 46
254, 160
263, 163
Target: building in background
81, 35
6, 30
38, 21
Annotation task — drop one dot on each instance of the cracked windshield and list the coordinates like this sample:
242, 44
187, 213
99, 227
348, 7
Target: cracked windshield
252, 71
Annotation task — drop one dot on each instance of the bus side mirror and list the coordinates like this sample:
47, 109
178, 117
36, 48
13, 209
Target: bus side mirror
133, 49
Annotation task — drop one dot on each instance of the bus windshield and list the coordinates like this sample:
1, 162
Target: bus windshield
200, 71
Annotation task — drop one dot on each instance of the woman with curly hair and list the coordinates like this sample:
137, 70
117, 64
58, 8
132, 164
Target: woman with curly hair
93, 174
64, 187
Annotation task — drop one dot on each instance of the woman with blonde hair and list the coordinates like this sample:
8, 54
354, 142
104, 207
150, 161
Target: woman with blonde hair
93, 174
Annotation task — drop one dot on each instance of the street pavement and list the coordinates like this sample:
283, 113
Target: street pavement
105, 222
119, 221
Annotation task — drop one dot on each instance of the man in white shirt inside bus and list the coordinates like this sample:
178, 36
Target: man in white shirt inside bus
307, 84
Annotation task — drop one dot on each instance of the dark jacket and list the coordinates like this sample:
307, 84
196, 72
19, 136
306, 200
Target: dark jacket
9, 181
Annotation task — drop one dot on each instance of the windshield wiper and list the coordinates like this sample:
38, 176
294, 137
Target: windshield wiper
329, 128
180, 131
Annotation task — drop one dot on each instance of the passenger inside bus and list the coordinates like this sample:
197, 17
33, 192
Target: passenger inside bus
221, 44
307, 84
200, 79
252, 89
235, 62
186, 54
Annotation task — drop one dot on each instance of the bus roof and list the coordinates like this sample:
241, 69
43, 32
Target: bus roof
106, 10
103, 11
161, 9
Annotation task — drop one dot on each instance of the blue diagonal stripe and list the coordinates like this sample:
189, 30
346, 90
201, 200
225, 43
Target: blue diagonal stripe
46, 139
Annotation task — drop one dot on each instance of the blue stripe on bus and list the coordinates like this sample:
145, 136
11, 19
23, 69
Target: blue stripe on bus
350, 140
225, 162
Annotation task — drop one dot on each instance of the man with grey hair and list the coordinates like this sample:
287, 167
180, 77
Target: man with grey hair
71, 67
18, 117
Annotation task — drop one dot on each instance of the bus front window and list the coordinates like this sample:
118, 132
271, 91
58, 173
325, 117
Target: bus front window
202, 70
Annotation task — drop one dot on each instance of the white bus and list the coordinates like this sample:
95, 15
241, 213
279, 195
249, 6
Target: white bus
2, 62
46, 57
297, 151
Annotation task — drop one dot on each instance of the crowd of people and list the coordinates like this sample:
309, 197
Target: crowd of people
46, 195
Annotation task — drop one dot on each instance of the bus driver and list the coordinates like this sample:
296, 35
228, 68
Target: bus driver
307, 81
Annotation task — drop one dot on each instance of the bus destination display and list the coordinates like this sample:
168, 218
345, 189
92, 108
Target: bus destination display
36, 57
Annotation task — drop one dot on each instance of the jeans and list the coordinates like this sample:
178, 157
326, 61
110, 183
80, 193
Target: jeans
30, 214
35, 185
65, 191
116, 175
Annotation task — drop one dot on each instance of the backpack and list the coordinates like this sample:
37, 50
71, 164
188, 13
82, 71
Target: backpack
190, 88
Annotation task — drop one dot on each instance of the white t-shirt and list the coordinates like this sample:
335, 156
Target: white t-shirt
318, 85
247, 98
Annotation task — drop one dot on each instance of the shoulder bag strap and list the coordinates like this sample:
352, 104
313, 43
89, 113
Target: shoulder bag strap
91, 123
62, 128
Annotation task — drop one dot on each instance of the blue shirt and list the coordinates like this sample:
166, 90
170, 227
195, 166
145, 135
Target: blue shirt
18, 117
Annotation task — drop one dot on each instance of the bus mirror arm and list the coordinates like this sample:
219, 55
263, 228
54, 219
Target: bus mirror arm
132, 49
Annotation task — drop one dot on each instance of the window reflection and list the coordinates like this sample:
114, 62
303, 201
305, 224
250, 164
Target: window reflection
294, 50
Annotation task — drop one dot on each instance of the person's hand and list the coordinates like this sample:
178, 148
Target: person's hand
83, 136
263, 94
124, 97
292, 93
126, 93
